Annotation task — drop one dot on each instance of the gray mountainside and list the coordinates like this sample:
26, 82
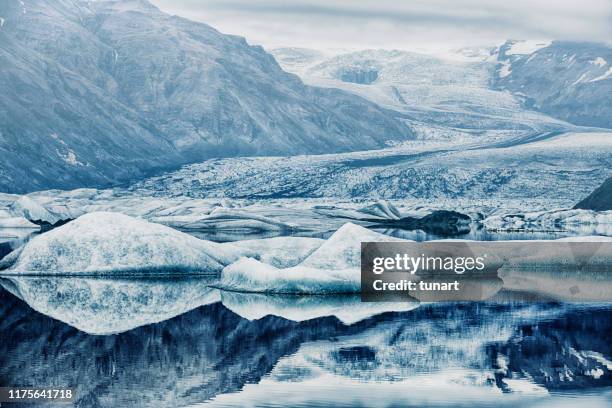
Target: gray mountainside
568, 80
102, 92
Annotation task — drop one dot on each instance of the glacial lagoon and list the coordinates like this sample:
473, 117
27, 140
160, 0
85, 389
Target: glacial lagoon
185, 342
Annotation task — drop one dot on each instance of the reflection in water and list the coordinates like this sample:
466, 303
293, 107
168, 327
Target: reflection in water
103, 306
444, 354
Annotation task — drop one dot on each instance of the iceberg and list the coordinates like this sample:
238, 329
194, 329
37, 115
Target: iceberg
280, 252
224, 219
103, 307
33, 211
17, 222
382, 209
250, 275
343, 249
112, 243
334, 267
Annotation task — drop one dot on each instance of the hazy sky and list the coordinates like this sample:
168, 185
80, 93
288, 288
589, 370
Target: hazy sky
415, 24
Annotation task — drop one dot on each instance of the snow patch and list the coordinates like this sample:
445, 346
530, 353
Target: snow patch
600, 62
71, 158
527, 47
579, 80
606, 75
505, 69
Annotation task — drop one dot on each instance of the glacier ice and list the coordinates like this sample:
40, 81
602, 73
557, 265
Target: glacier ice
280, 252
33, 211
583, 221
334, 267
103, 242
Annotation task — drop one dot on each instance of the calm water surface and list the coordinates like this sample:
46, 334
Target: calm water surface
510, 353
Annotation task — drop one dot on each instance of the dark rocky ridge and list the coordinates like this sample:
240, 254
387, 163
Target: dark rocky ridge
598, 200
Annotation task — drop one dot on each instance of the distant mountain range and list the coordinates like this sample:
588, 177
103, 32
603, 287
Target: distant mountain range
108, 91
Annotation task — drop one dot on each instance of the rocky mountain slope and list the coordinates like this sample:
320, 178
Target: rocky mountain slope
99, 92
568, 80
600, 199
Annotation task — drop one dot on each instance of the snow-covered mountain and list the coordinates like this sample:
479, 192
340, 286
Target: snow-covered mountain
452, 91
98, 92
568, 80
498, 87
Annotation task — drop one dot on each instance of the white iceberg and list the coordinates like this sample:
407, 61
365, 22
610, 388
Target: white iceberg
224, 219
17, 222
30, 209
343, 249
250, 275
382, 209
334, 267
104, 243
280, 252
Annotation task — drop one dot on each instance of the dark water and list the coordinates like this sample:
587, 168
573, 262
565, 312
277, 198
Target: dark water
225, 349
